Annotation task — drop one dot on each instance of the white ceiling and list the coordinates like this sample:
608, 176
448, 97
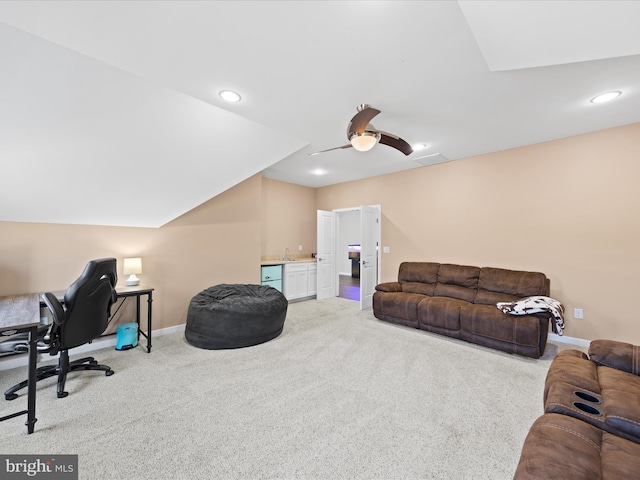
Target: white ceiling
109, 111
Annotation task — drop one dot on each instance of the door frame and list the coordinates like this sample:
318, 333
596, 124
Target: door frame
378, 207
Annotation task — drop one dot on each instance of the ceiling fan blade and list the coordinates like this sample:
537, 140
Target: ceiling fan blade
329, 149
361, 119
395, 142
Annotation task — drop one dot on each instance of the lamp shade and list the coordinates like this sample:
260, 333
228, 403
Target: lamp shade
364, 141
132, 267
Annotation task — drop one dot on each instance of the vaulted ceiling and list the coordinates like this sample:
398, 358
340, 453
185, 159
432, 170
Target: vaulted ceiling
110, 114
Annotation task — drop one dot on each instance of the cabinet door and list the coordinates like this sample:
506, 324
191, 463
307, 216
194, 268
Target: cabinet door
295, 280
290, 284
301, 283
291, 280
312, 280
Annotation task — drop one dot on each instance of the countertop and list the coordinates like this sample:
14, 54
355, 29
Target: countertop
285, 262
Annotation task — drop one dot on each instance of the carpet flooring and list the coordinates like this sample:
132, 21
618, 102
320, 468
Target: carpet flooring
338, 395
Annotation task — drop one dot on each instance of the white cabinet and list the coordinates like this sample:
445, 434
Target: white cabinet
312, 281
300, 280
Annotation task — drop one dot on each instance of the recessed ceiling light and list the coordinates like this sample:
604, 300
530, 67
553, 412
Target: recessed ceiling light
229, 96
419, 146
605, 97
318, 171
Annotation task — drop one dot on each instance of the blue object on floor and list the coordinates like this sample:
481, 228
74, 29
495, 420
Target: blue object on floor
127, 336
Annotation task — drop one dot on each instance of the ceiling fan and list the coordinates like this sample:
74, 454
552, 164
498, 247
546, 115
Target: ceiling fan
364, 136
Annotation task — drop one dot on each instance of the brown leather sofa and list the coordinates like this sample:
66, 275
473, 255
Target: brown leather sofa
460, 301
591, 426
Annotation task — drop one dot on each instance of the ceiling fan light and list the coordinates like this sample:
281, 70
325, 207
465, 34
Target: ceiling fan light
364, 141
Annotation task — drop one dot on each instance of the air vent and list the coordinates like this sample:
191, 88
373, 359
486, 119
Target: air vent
431, 159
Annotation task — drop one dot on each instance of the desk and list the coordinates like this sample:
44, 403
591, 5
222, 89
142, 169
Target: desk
137, 292
124, 292
21, 313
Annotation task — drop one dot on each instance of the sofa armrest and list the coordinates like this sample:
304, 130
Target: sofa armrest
389, 287
614, 354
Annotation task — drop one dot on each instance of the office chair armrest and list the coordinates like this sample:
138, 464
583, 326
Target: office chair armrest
55, 307
114, 299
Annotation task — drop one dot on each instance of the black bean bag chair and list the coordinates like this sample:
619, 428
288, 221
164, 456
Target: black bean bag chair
234, 316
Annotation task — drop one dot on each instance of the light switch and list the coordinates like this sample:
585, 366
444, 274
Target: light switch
385, 250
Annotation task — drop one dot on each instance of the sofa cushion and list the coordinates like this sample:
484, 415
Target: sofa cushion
488, 321
441, 314
513, 284
614, 354
485, 297
421, 272
397, 307
421, 288
563, 448
621, 402
389, 287
457, 281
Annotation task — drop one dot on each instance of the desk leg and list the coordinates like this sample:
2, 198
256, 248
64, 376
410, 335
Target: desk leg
149, 301
31, 388
138, 315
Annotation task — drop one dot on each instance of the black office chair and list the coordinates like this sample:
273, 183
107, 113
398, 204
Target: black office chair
82, 318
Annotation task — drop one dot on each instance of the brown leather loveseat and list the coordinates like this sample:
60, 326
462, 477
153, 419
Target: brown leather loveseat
460, 301
591, 426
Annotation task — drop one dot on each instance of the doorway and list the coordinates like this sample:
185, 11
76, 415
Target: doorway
349, 287
336, 237
348, 253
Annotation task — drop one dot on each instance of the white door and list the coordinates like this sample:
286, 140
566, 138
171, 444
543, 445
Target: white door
326, 256
369, 224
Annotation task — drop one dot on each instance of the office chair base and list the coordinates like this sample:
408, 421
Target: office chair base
60, 370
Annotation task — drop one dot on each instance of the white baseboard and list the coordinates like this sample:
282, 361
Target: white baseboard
570, 340
15, 361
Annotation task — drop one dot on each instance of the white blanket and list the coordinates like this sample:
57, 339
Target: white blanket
537, 304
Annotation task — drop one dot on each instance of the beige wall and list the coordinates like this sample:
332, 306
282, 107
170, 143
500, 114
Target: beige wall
221, 241
289, 218
568, 208
218, 242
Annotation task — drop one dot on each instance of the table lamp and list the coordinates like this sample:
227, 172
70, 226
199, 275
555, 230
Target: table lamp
132, 267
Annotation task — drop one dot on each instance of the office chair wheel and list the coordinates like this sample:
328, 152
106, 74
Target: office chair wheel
93, 362
62, 394
11, 396
108, 373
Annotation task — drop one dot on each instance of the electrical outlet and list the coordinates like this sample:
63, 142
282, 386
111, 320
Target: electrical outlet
299, 248
385, 249
578, 313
